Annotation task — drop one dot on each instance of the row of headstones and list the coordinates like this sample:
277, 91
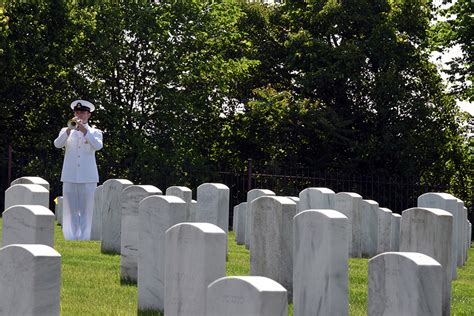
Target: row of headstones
461, 226
317, 243
195, 257
157, 250
195, 268
116, 205
27, 218
27, 190
116, 209
189, 278
116, 220
192, 268
28, 263
373, 229
145, 215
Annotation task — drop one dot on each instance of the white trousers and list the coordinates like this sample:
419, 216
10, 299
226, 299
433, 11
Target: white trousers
78, 207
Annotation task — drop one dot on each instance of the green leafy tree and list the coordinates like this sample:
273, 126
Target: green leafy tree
158, 74
34, 84
457, 29
161, 75
334, 85
356, 77
278, 130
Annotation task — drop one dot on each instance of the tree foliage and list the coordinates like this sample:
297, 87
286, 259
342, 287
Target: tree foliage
354, 91
456, 28
343, 86
158, 74
34, 82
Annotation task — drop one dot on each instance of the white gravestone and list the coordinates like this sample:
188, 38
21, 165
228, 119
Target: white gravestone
448, 203
112, 215
466, 240
96, 229
466, 229
384, 219
349, 204
193, 210
31, 180
428, 231
404, 283
241, 223
296, 200
468, 236
316, 198
26, 194
156, 214
58, 210
461, 232
252, 195
271, 242
320, 263
186, 195
130, 200
369, 229
30, 280
28, 224
213, 204
235, 217
246, 295
395, 232
195, 257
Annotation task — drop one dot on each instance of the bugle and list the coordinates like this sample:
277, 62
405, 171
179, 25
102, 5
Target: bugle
73, 123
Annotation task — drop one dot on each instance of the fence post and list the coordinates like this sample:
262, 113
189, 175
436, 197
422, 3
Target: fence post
249, 174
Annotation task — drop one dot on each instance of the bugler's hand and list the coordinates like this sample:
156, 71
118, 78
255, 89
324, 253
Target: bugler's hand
81, 127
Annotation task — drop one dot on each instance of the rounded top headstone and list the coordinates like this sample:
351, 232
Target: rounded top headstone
351, 194
416, 257
37, 250
323, 212
435, 211
38, 210
204, 227
260, 283
30, 187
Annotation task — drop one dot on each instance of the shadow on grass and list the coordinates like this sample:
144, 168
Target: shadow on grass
149, 313
109, 253
128, 282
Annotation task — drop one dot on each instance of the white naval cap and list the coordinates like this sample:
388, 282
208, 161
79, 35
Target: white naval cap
82, 105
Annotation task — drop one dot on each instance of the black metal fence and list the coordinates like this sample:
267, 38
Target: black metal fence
394, 193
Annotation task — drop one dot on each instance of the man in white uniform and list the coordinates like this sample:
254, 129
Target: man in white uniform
79, 174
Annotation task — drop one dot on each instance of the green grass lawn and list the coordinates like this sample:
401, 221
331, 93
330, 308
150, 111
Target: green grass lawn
91, 281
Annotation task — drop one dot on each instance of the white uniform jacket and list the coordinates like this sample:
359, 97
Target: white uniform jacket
79, 164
